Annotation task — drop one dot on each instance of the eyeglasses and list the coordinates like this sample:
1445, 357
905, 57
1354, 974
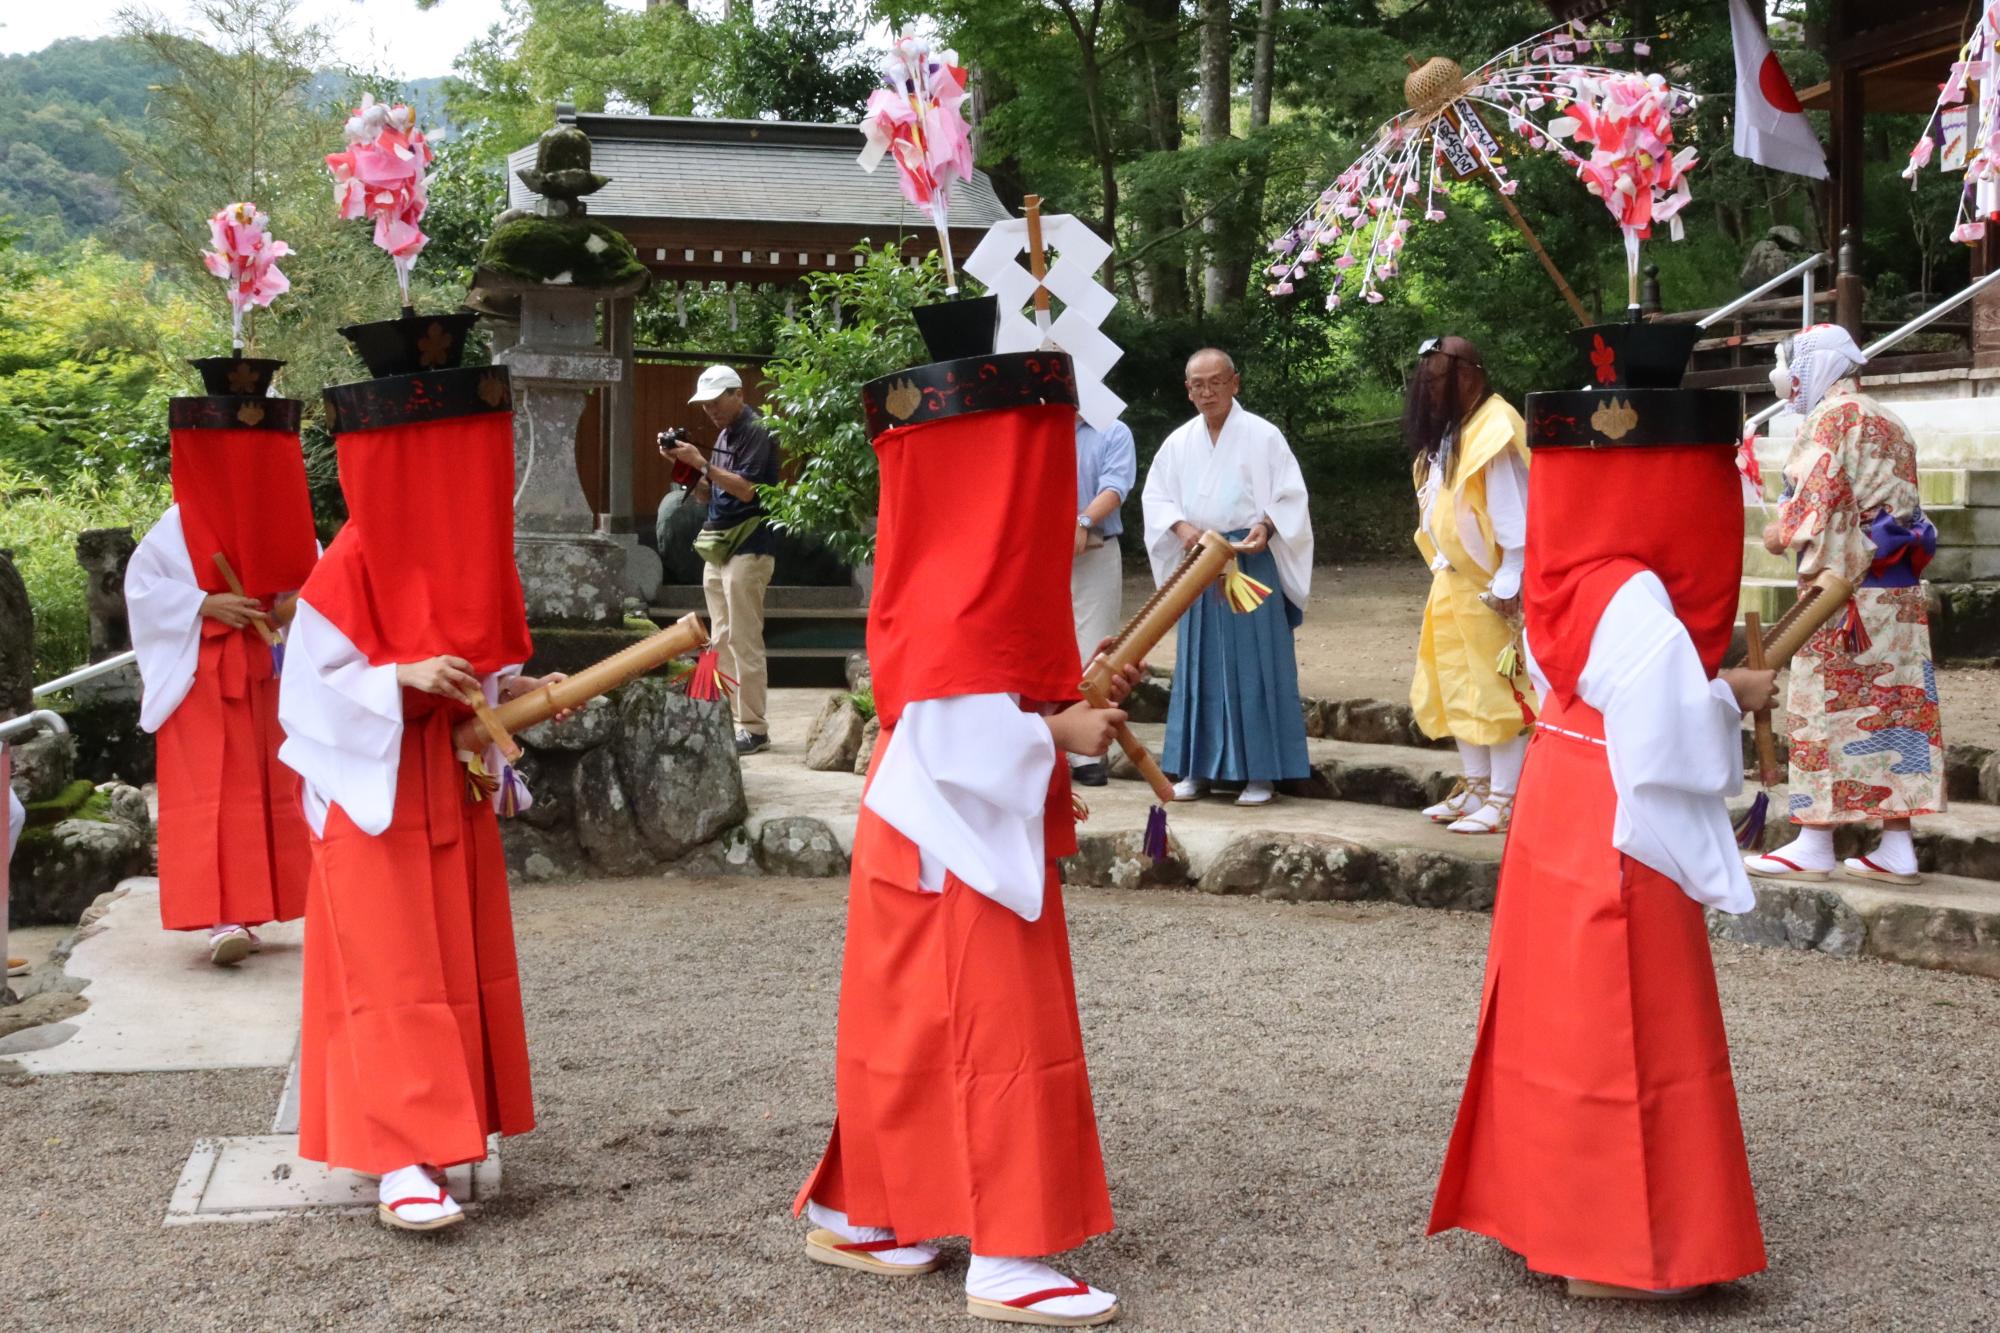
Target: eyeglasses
1203, 386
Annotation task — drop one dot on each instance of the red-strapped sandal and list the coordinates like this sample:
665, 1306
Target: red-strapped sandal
1792, 869
1021, 1309
827, 1247
388, 1215
1860, 867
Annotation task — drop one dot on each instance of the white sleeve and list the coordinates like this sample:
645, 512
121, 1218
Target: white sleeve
343, 722
17, 819
1675, 746
1507, 507
163, 608
1160, 505
967, 780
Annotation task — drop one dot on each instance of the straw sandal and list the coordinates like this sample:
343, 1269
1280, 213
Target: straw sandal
1475, 825
1021, 1309
824, 1246
1605, 1291
1465, 796
1860, 867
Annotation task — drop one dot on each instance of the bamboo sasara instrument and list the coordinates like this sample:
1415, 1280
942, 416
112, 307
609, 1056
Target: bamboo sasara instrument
1200, 566
497, 725
1819, 602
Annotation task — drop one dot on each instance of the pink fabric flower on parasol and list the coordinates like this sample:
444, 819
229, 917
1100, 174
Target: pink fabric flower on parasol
916, 119
246, 257
1978, 65
1627, 123
381, 176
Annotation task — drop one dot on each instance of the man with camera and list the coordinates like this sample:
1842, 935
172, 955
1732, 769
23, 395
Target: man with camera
735, 544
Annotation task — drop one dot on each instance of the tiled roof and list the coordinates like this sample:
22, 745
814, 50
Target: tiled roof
680, 168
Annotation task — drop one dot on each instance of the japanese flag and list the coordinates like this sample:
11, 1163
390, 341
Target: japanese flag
1771, 126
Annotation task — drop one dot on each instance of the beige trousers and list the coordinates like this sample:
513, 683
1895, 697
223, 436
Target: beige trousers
735, 594
1096, 587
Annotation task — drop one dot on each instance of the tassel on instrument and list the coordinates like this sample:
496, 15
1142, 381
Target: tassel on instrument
707, 682
1750, 829
509, 799
1510, 659
1243, 593
479, 784
1855, 633
1154, 844
278, 658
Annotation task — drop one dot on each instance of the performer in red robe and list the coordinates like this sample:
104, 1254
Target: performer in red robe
232, 841
1598, 1136
963, 1104
413, 1049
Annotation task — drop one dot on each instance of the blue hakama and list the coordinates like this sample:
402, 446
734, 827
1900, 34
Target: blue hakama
1234, 713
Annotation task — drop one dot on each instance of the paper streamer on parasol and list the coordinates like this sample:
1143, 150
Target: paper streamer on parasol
916, 120
1972, 132
1544, 92
381, 176
245, 257
1072, 279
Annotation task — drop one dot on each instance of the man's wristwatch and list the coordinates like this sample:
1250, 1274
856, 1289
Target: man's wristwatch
1083, 520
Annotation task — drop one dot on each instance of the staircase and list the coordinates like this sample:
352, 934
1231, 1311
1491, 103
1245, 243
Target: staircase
808, 630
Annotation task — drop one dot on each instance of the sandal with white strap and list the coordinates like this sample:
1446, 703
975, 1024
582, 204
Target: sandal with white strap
1052, 1301
1466, 795
1861, 867
411, 1199
1769, 865
843, 1244
1492, 817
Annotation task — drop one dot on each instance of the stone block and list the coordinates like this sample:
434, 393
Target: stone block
1795, 915
605, 827
731, 854
865, 755
1962, 764
591, 727
835, 736
858, 677
1116, 861
1372, 722
1322, 717
1929, 934
1989, 780
676, 760
537, 856
800, 845
571, 578
1303, 867
60, 869
1967, 626
1419, 878
1149, 698
1969, 855
42, 767
109, 743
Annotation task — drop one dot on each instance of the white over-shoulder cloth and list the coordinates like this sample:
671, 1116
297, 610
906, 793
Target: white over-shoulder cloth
1247, 475
163, 607
343, 722
1674, 742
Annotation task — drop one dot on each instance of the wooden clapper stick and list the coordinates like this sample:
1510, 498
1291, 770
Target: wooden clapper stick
270, 635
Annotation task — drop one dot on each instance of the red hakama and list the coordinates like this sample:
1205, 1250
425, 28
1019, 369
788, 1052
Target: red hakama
413, 1047
232, 840
962, 1103
1598, 1136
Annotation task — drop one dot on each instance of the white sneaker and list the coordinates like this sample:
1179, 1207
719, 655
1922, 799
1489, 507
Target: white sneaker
229, 945
1025, 1291
1255, 793
409, 1199
1190, 789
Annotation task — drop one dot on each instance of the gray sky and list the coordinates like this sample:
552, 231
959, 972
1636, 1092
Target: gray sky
413, 45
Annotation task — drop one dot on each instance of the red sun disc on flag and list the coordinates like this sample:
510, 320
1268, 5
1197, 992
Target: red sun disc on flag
1777, 89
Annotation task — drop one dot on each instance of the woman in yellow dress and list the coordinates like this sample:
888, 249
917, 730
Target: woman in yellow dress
1470, 465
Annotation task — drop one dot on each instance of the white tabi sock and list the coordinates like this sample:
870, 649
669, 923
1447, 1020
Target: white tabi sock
1811, 850
414, 1182
1508, 757
836, 1221
1003, 1280
1475, 760
1896, 852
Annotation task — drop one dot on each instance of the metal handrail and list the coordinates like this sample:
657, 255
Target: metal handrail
91, 672
1804, 268
27, 722
1890, 339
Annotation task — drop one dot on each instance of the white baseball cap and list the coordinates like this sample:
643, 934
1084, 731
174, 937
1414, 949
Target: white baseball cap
714, 382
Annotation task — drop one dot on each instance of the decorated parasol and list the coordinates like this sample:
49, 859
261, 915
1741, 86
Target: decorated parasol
916, 120
246, 258
1965, 126
1614, 127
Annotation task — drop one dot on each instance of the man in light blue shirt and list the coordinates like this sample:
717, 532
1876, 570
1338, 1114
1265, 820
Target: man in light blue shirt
1107, 467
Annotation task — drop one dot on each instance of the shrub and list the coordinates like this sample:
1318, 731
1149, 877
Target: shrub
39, 523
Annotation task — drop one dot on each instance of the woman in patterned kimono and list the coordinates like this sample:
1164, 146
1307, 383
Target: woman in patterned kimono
1866, 743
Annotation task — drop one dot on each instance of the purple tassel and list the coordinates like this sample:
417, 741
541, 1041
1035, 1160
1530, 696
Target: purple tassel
1750, 830
1154, 845
278, 658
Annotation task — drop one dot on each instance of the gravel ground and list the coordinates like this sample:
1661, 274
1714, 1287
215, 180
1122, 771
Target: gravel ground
1274, 1085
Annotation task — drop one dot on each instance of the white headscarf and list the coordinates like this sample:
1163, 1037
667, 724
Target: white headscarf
1821, 357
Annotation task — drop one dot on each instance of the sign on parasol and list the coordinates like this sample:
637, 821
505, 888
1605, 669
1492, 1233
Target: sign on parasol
1545, 91
916, 120
245, 257
1970, 129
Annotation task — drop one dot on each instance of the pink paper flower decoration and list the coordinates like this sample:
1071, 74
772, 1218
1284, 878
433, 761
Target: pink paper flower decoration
381, 176
245, 257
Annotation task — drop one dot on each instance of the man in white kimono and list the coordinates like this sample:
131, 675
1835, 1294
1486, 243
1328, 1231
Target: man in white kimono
1234, 714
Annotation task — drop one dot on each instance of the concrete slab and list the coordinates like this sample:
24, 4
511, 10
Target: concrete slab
261, 1178
158, 1004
